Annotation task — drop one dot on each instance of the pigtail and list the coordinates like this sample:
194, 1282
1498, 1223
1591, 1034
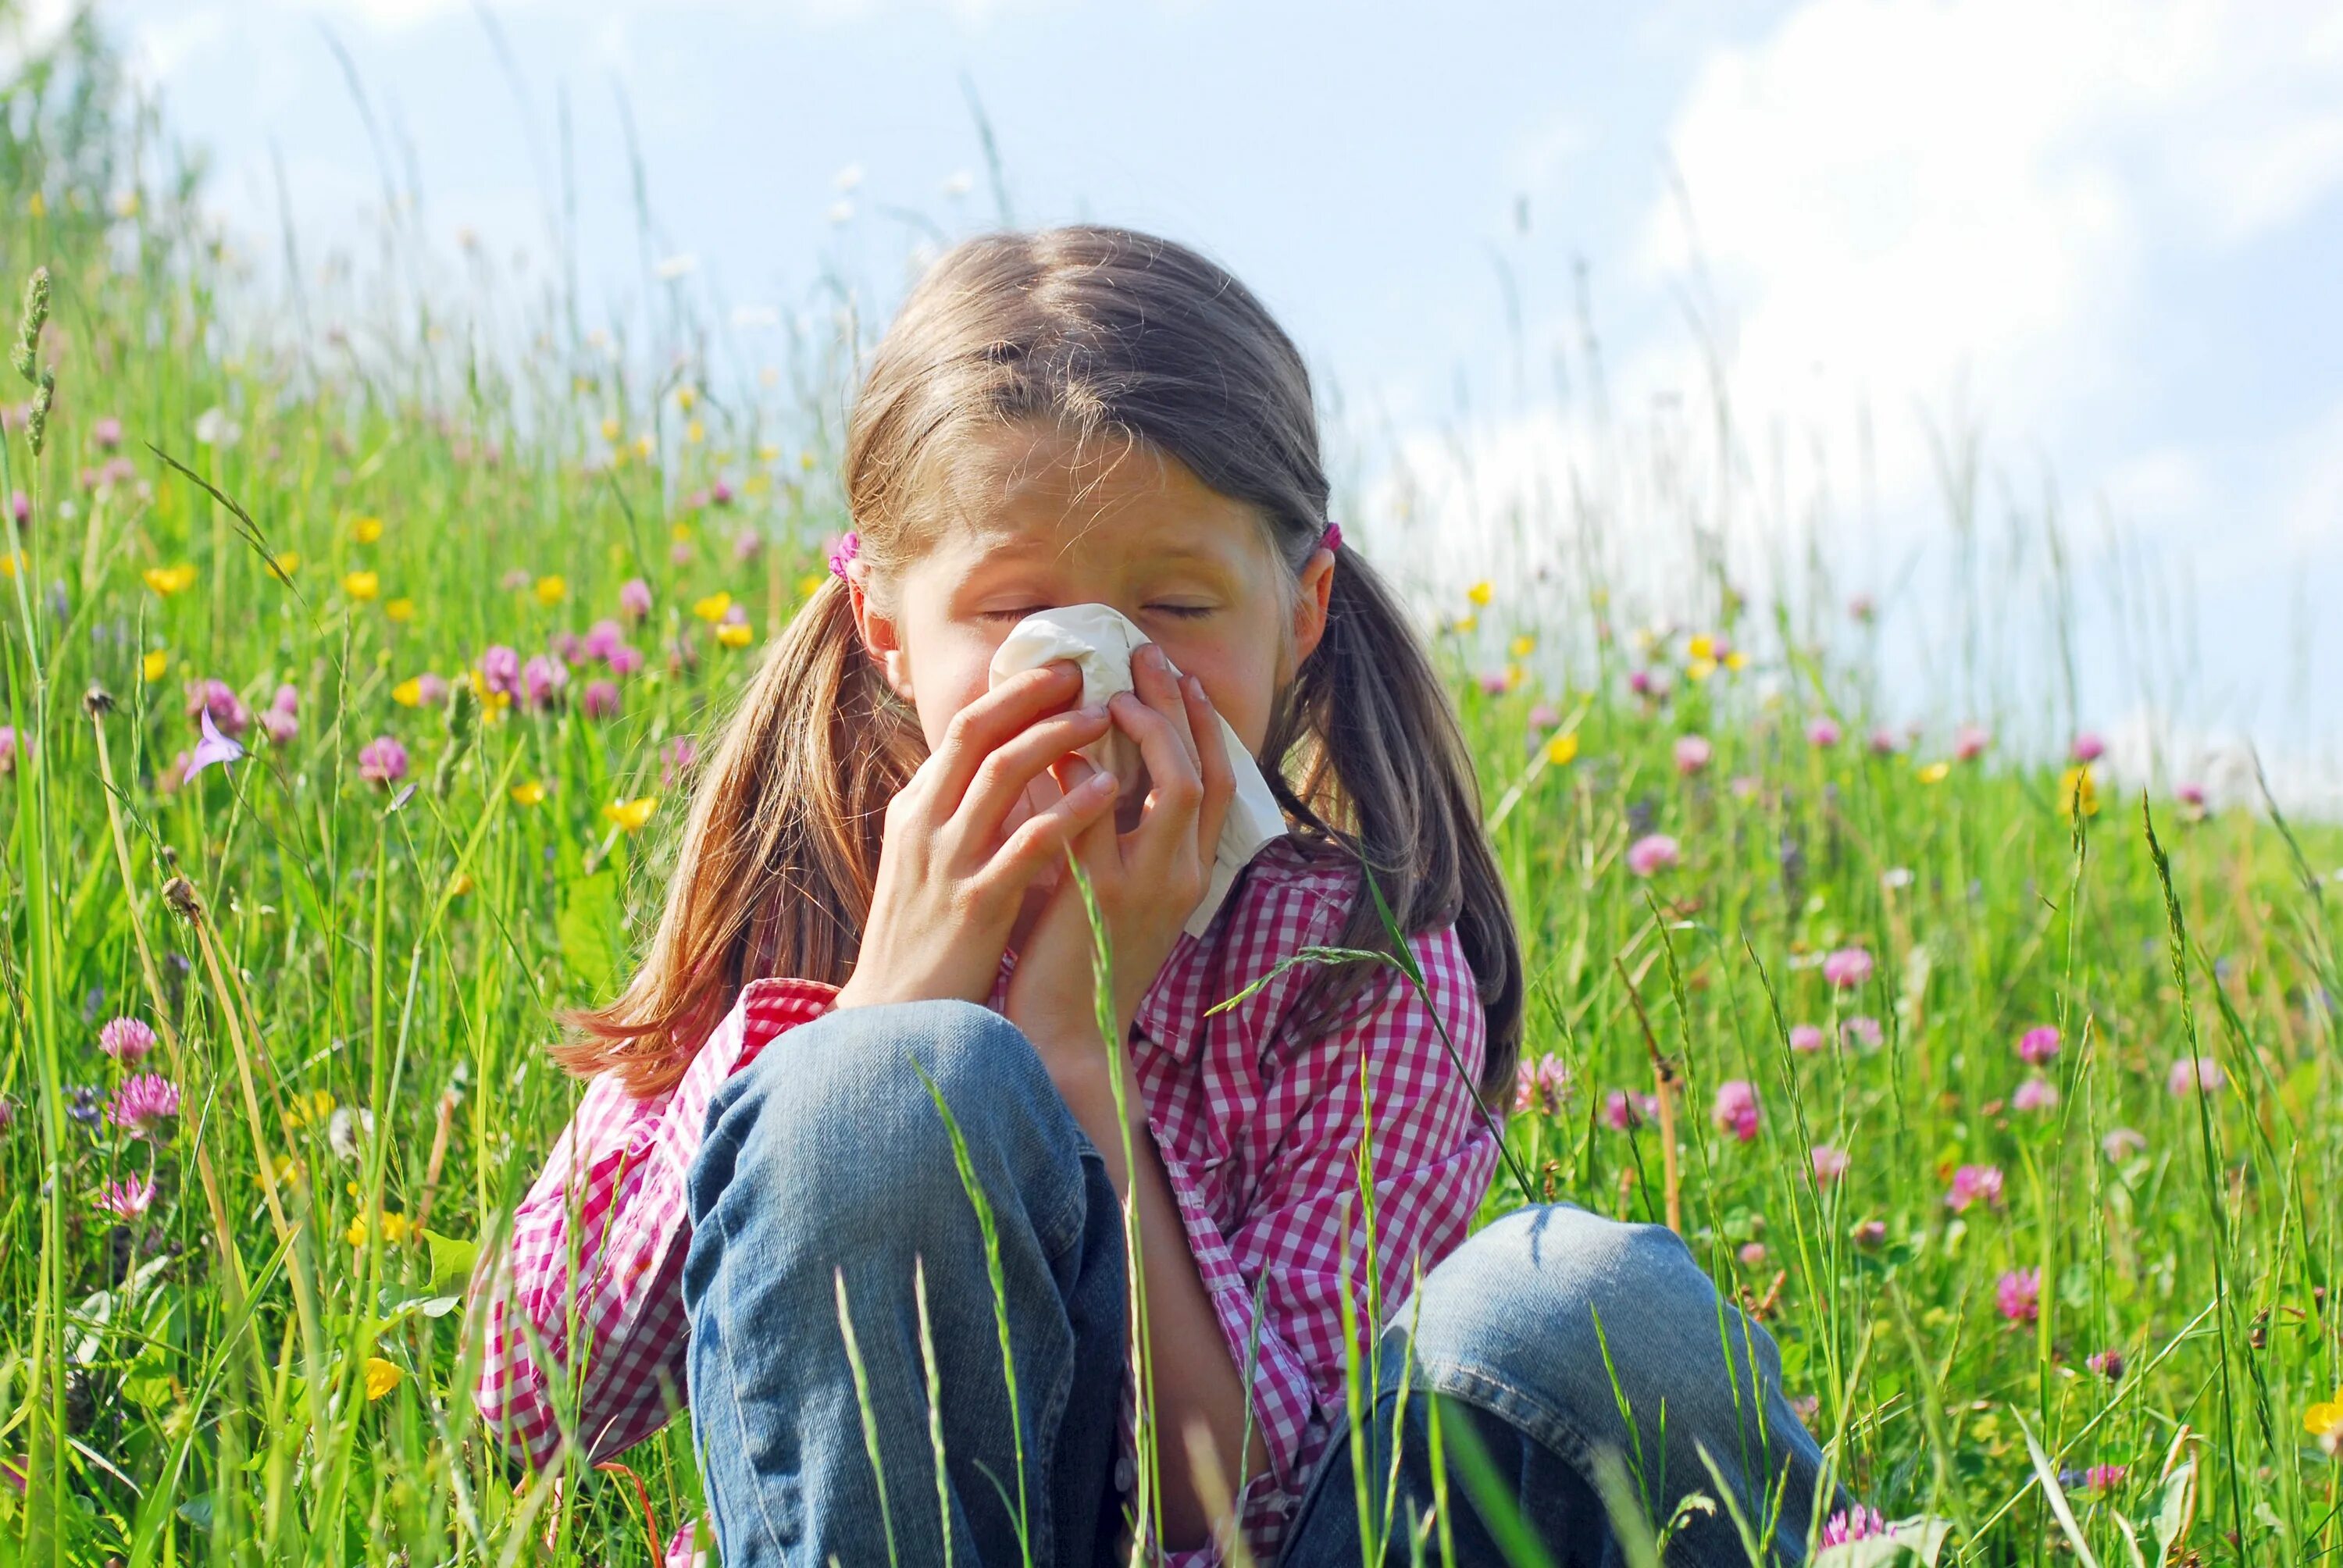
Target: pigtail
1380, 766
774, 872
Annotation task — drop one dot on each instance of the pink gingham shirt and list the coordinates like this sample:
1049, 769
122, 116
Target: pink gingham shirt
1257, 1125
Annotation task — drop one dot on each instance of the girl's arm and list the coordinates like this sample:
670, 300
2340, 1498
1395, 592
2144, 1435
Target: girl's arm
582, 1316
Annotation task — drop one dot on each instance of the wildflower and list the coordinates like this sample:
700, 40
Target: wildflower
603, 639
1858, 1523
2324, 1421
213, 748
1481, 593
625, 659
500, 671
1692, 752
214, 428
1522, 645
347, 1130
1652, 853
1646, 683
143, 1103
2089, 748
126, 1039
399, 611
1752, 1254
601, 700
280, 718
362, 585
2199, 1074
7, 748
1806, 1038
734, 634
631, 815
1744, 786
217, 700
517, 580
1869, 1234
84, 1109
1847, 968
1830, 1162
20, 507
2035, 1094
1934, 772
1970, 741
1974, 1184
711, 609
1562, 749
1541, 1083
2078, 791
106, 432
1627, 1111
381, 1377
2104, 1479
382, 760
408, 693
2107, 1363
395, 1229
1882, 741
528, 794
635, 599
542, 678
1862, 1029
1823, 732
154, 665
366, 530
1896, 878
1544, 716
676, 756
2123, 1140
1736, 1110
2018, 1295
552, 590
2038, 1046
1494, 682
127, 1200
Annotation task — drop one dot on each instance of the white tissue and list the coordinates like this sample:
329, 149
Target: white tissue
1100, 638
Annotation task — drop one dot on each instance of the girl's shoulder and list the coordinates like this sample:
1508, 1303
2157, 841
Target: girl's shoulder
1296, 882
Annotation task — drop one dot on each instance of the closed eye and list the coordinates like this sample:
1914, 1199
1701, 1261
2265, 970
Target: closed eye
1010, 615
1184, 611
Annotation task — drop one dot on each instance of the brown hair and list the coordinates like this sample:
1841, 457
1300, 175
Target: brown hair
1098, 331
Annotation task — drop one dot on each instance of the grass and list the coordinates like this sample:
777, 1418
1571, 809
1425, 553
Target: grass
352, 980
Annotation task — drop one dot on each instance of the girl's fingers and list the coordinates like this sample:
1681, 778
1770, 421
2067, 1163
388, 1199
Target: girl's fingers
1218, 770
1005, 772
984, 724
1042, 842
1153, 681
1176, 792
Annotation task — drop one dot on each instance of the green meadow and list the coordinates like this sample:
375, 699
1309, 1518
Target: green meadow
340, 754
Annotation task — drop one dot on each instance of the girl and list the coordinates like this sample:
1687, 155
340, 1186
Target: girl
758, 1205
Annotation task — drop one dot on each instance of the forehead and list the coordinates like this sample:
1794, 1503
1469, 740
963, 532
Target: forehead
1022, 486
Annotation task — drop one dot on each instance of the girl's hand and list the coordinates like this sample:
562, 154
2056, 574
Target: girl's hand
1147, 882
953, 867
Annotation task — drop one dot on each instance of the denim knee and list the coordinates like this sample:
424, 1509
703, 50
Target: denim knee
831, 1118
1550, 1316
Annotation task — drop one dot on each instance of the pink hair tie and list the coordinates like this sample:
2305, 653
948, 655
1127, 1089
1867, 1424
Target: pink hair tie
1332, 540
848, 545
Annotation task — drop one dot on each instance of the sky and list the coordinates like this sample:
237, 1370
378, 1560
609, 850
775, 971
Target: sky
2097, 238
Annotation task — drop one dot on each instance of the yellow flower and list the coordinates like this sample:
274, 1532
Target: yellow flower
734, 634
632, 814
1523, 646
552, 590
1935, 772
462, 884
713, 607
2321, 1419
381, 1377
769, 453
2078, 788
400, 611
806, 459
1480, 593
1562, 749
680, 533
643, 445
1735, 660
156, 665
1468, 624
610, 430
408, 693
695, 432
169, 580
366, 530
36, 205
362, 585
811, 584
1701, 646
1700, 668
8, 564
528, 794
685, 396
758, 483
288, 562
395, 1230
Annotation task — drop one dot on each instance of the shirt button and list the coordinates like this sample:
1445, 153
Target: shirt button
1123, 1474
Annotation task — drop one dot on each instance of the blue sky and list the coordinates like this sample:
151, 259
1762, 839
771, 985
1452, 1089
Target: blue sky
2101, 232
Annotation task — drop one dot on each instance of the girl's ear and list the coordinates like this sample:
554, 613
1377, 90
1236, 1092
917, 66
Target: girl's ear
881, 635
1316, 582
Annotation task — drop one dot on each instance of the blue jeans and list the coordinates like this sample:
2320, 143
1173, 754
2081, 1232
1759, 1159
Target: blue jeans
826, 1168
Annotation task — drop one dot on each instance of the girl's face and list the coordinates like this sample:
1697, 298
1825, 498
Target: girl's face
1128, 526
